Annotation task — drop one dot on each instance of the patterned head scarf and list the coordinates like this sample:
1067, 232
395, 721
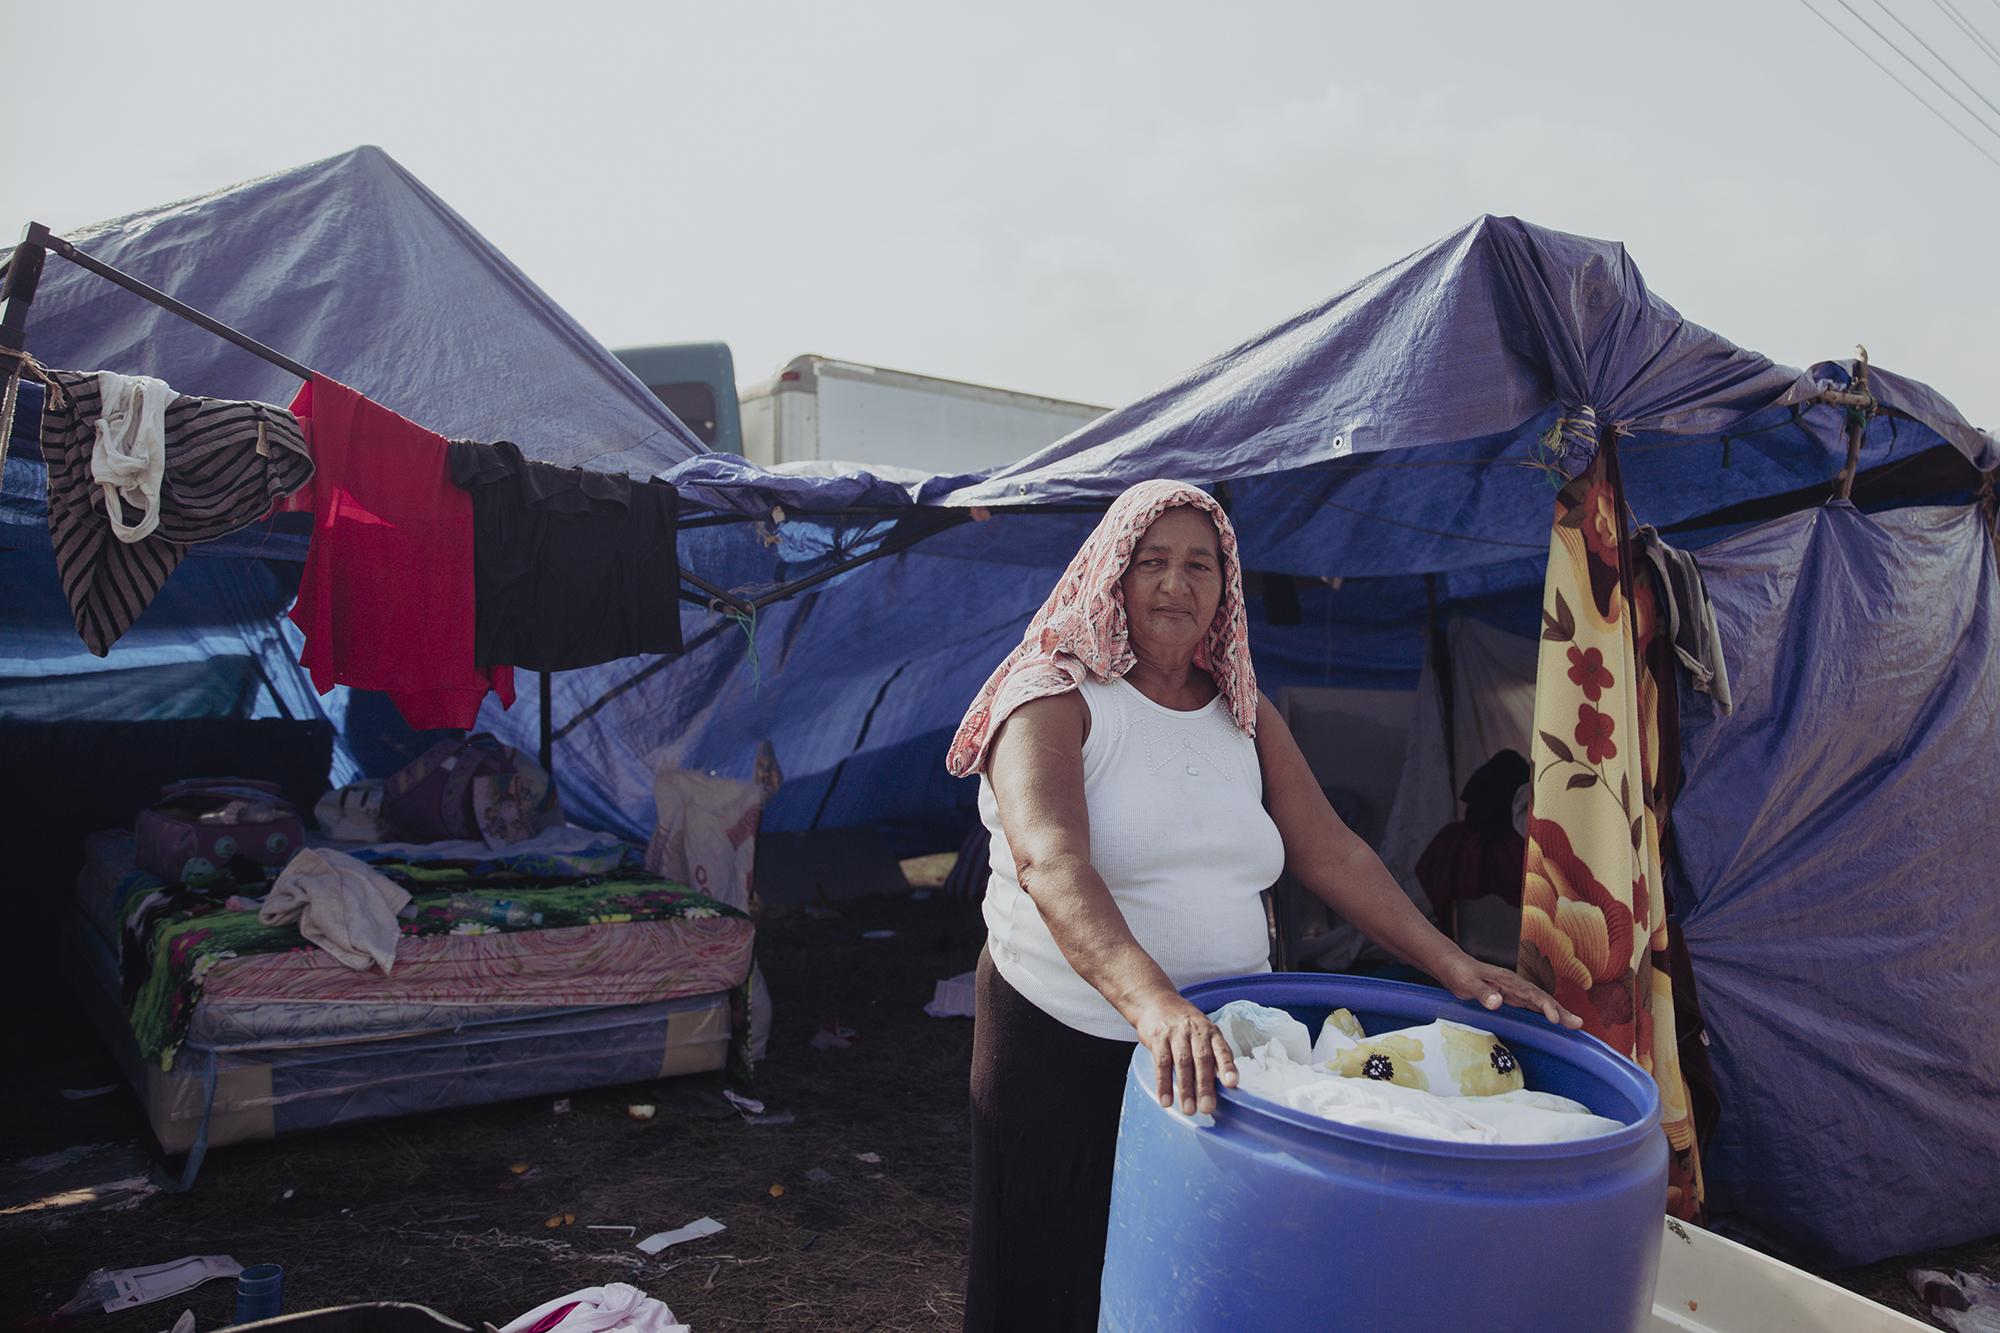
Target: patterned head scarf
1082, 629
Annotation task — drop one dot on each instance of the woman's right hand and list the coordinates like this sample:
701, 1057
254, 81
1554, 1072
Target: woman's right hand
1189, 1053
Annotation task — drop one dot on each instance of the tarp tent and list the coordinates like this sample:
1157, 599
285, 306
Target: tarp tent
1394, 447
353, 267
1386, 451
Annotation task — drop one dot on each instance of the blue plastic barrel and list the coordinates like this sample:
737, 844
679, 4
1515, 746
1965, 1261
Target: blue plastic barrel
1272, 1219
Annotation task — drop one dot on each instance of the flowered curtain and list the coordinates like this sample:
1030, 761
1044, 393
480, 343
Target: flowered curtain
1606, 763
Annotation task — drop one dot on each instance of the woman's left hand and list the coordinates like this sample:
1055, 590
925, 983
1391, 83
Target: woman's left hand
1482, 983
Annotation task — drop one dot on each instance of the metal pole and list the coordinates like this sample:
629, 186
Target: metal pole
548, 726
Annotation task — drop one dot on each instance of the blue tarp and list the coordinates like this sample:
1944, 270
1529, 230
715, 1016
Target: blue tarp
1835, 866
1395, 444
1835, 879
1407, 427
352, 267
355, 269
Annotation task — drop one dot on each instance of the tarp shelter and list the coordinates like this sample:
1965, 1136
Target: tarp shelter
1391, 450
352, 267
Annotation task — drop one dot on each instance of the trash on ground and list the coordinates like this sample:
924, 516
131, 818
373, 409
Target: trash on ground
113, 1289
289, 1193
85, 1094
819, 1175
641, 1111
777, 1191
561, 1107
185, 1324
953, 997
615, 1305
777, 1120
1961, 1302
562, 1220
747, 1105
611, 1226
833, 1037
878, 934
872, 1158
519, 1168
695, 1230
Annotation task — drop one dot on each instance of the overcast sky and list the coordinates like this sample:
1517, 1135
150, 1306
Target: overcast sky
1076, 199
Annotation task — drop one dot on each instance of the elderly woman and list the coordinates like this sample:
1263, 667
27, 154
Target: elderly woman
1141, 795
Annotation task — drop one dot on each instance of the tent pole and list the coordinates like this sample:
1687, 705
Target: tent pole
17, 293
548, 727
24, 275
715, 594
1859, 405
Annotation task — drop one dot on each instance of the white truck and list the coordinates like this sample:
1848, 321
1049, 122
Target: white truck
816, 409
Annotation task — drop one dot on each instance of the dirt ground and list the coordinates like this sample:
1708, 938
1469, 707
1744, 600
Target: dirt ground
432, 1210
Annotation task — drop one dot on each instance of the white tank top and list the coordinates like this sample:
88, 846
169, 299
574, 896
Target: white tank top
1179, 832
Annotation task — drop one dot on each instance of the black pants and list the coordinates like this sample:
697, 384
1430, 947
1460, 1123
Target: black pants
1045, 1102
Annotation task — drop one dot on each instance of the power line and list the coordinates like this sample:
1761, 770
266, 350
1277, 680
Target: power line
1977, 38
1870, 55
1916, 65
1883, 5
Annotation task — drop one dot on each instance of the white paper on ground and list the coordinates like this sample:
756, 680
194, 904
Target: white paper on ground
124, 1288
695, 1230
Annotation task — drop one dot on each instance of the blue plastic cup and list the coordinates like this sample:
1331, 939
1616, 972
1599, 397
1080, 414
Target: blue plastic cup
259, 1292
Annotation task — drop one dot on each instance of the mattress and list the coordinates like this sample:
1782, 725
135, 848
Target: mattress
290, 1042
439, 980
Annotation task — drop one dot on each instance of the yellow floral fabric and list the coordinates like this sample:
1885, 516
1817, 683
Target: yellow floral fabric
1594, 913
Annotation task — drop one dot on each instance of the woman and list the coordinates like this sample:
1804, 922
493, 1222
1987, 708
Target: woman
1141, 794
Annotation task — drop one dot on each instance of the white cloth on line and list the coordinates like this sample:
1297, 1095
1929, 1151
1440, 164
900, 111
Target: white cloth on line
616, 1307
129, 460
341, 905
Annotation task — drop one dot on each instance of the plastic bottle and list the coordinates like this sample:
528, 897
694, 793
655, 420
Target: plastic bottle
501, 913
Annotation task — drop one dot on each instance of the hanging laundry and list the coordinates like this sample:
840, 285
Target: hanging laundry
573, 568
1595, 932
224, 464
386, 601
129, 460
1690, 617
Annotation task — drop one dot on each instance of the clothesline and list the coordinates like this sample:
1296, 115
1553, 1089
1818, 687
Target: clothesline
22, 279
110, 571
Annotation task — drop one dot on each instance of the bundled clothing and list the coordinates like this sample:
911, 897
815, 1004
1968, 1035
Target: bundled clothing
341, 905
387, 599
128, 495
1443, 1080
1690, 617
571, 568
